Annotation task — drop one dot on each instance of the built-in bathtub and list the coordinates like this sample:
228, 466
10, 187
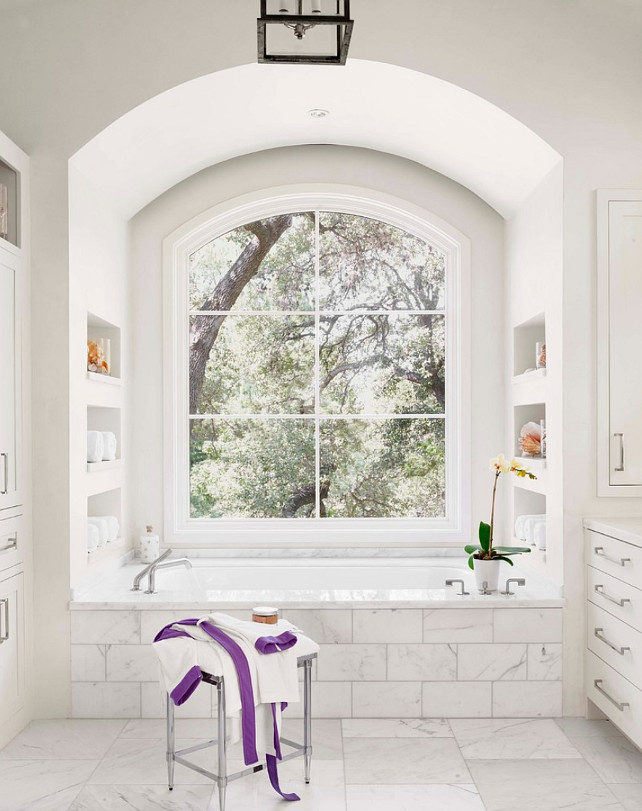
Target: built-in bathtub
395, 641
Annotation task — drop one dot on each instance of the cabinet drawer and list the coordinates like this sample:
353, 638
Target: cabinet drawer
615, 642
12, 655
611, 693
622, 560
11, 542
615, 596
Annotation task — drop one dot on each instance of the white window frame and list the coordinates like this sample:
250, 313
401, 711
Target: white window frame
180, 528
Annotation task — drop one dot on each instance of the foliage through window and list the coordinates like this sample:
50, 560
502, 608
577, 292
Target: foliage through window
317, 371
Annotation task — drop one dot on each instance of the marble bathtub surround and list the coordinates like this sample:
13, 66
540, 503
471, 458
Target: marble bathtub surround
358, 765
373, 663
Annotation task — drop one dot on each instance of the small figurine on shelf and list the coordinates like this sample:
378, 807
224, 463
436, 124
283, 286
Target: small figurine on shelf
97, 358
530, 439
540, 355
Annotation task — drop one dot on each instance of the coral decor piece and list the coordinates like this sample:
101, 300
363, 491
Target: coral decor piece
96, 359
485, 550
530, 439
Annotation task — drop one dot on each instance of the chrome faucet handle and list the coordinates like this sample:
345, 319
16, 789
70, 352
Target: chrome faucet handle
520, 582
463, 586
149, 568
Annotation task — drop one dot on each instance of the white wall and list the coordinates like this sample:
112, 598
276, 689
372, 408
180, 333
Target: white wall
311, 164
98, 284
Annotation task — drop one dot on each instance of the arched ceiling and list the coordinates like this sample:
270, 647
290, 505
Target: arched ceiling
371, 104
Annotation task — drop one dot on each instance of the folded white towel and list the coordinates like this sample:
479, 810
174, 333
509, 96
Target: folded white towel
110, 446
93, 537
113, 528
529, 528
101, 524
95, 446
539, 535
520, 525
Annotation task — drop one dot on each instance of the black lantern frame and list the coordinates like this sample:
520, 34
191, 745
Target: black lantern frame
341, 22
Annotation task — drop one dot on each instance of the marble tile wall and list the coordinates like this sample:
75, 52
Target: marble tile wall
383, 663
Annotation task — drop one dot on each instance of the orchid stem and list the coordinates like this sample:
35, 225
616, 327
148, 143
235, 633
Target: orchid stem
492, 516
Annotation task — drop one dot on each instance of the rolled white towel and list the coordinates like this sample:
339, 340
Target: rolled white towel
539, 535
102, 525
520, 525
113, 527
95, 446
110, 445
93, 537
529, 527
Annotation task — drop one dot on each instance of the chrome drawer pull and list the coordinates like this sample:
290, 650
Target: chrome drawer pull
12, 543
600, 590
616, 648
5, 636
621, 705
599, 550
5, 485
620, 467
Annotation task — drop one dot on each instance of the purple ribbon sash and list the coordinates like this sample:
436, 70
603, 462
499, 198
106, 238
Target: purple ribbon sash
192, 678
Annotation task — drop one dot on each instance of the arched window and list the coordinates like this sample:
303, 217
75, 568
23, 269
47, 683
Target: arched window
315, 388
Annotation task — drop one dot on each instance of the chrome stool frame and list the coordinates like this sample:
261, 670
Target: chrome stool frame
222, 778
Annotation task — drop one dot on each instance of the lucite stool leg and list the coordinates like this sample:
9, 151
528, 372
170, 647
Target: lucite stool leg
171, 743
307, 717
222, 754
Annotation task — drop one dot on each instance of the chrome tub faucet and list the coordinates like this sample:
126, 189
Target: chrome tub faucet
159, 563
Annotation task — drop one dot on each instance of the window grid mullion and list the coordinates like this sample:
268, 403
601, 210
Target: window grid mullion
317, 365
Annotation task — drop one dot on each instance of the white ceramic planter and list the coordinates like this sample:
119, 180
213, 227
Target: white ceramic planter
486, 571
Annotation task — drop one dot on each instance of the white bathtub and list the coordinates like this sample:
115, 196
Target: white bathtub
241, 583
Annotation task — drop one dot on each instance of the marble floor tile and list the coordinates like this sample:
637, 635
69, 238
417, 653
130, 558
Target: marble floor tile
63, 739
156, 728
510, 738
403, 760
616, 760
396, 728
42, 785
414, 798
325, 792
585, 728
541, 785
143, 798
629, 794
327, 743
132, 761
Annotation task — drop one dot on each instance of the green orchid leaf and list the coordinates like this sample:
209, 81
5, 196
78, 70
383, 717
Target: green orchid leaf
484, 535
470, 548
502, 557
511, 550
471, 565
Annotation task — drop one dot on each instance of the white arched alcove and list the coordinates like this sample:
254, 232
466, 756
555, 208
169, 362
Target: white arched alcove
372, 105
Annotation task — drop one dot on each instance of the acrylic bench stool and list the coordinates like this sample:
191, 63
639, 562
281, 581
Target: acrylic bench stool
223, 778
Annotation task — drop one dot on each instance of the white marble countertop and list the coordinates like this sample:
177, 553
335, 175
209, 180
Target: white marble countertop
114, 593
625, 529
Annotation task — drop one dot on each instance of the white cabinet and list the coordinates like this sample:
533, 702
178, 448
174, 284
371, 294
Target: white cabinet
10, 380
614, 621
619, 360
12, 654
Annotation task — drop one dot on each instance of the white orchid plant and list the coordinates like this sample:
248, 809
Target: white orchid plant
485, 550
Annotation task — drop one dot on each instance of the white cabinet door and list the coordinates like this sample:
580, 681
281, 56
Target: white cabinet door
12, 658
10, 409
625, 345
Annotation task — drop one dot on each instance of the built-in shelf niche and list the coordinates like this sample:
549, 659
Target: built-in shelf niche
526, 502
525, 338
102, 418
532, 412
11, 179
99, 328
107, 503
